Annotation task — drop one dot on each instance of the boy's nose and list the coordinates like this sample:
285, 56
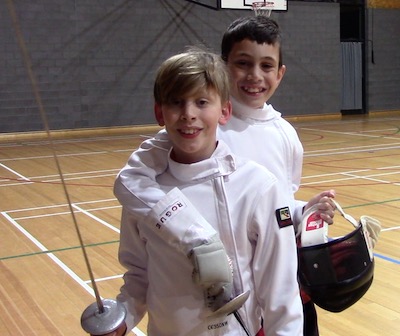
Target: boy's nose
254, 74
188, 112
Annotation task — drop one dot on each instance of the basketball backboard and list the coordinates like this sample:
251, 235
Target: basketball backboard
279, 5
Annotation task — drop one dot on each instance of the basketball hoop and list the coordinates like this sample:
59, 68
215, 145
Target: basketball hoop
263, 8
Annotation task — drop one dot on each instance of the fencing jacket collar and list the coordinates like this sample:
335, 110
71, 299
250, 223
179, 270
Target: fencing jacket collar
252, 115
221, 163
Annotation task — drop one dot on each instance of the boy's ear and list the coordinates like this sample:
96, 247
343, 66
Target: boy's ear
226, 113
159, 115
281, 72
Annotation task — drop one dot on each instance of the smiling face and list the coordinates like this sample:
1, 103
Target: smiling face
191, 123
191, 94
254, 71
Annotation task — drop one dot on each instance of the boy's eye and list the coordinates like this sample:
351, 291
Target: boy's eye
242, 63
176, 102
268, 66
202, 102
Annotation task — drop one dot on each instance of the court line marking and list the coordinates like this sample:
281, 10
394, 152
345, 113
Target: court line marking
50, 156
107, 278
65, 213
63, 205
102, 222
381, 130
353, 149
87, 177
35, 179
346, 122
370, 178
341, 180
59, 214
391, 228
49, 254
356, 171
381, 256
14, 172
340, 151
351, 133
61, 249
63, 266
389, 167
74, 141
80, 173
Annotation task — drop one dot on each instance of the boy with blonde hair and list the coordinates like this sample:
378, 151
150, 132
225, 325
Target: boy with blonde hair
211, 238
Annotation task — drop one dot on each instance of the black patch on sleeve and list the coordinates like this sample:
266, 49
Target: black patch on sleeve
283, 217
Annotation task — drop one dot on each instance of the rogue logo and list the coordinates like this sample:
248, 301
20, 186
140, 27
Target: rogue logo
169, 213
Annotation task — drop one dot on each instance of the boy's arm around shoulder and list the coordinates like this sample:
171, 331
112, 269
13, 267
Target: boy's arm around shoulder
276, 264
135, 186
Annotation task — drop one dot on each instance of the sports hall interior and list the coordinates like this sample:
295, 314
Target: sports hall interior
88, 66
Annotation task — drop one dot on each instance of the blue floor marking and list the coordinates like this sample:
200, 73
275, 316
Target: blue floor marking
387, 258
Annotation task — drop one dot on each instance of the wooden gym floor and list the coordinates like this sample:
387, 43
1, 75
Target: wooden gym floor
44, 283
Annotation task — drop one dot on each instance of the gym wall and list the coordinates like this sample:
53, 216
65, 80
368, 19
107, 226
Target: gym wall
94, 61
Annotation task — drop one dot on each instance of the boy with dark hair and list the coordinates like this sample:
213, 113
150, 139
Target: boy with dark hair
251, 47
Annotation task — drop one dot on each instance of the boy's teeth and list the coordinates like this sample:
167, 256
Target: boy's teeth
253, 90
191, 131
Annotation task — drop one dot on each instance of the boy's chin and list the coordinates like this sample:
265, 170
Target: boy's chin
255, 102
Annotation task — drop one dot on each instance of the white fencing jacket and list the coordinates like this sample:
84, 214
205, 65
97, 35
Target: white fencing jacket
247, 206
264, 136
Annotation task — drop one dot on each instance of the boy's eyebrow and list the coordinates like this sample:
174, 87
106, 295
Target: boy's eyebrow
270, 58
245, 54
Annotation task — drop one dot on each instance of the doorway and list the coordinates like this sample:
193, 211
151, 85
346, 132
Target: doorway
353, 46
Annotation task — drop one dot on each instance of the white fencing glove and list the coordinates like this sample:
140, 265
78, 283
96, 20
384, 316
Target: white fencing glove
373, 227
179, 223
213, 272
